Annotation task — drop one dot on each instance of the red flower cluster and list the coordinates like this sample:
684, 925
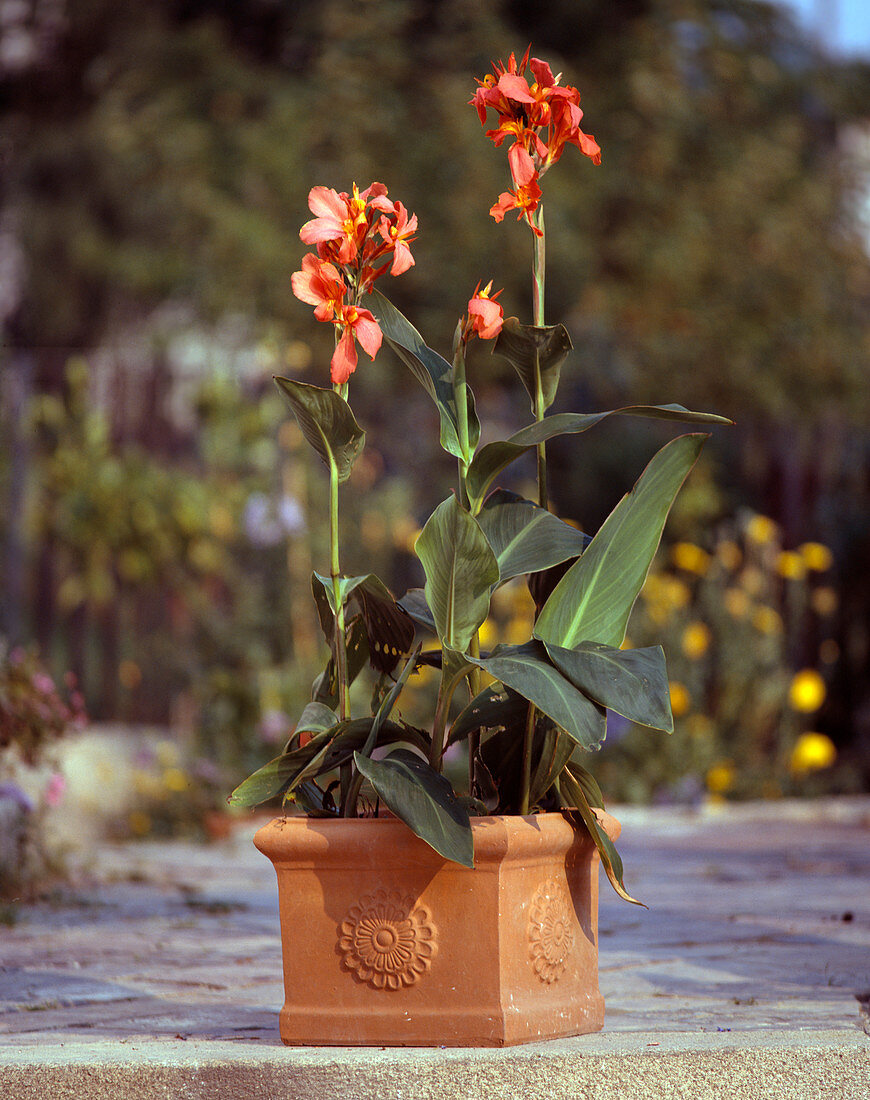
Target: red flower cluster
485, 315
525, 113
356, 236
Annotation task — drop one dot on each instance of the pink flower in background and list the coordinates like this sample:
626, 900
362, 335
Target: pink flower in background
55, 790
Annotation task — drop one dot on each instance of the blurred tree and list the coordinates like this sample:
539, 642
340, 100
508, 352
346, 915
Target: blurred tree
161, 151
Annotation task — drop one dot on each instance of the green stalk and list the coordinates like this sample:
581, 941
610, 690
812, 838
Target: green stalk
460, 398
538, 275
346, 770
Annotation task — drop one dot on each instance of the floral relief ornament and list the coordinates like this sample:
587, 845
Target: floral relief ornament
551, 933
388, 940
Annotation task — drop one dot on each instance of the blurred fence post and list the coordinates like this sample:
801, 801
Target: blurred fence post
16, 388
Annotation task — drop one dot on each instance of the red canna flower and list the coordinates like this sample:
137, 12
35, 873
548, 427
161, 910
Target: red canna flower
527, 194
355, 235
399, 235
361, 325
542, 116
485, 315
320, 285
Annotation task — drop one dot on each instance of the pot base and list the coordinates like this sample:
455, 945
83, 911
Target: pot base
385, 943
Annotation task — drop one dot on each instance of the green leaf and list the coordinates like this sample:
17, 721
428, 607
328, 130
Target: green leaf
593, 601
491, 459
414, 604
389, 629
527, 670
527, 347
325, 687
424, 800
552, 749
632, 682
316, 718
526, 538
460, 571
493, 708
579, 812
431, 370
326, 422
324, 752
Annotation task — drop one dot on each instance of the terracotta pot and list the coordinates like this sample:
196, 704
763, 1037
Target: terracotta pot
386, 943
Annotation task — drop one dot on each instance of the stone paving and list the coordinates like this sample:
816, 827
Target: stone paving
756, 945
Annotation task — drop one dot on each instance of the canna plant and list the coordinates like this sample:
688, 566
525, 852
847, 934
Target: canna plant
529, 728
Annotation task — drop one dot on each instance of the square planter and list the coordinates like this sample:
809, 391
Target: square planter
386, 943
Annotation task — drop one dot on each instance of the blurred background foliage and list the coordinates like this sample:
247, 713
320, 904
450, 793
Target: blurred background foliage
157, 535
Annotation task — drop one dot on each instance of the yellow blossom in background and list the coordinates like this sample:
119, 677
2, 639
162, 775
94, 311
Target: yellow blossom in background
699, 726
752, 580
812, 751
766, 620
729, 554
139, 823
720, 778
680, 700
737, 603
129, 675
825, 601
807, 691
761, 529
488, 635
519, 630
174, 779
691, 558
220, 520
791, 566
696, 640
167, 754
816, 556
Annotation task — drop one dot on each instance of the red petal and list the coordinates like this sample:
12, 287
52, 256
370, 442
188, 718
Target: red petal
325, 203
344, 359
368, 332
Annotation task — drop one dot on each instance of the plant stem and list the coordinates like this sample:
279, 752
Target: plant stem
340, 654
460, 398
526, 776
538, 278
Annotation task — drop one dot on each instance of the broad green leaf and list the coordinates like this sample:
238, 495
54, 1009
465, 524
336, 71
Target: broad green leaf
633, 682
552, 751
316, 718
527, 347
389, 629
424, 800
491, 459
527, 670
389, 701
460, 571
325, 687
326, 422
414, 604
431, 370
279, 774
526, 538
324, 752
578, 810
593, 601
493, 708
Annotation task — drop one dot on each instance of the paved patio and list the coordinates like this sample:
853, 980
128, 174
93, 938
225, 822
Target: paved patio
157, 974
